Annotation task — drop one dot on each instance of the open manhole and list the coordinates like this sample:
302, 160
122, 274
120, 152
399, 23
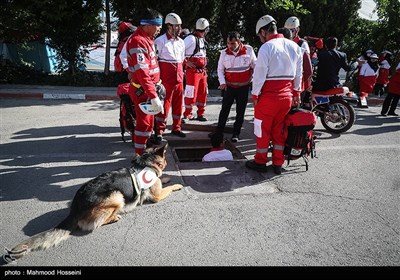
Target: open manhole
196, 152
196, 145
215, 176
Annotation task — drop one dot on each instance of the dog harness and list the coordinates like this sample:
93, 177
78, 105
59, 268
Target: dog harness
143, 178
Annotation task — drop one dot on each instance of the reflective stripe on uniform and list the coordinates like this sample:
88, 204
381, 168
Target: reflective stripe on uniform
137, 50
279, 147
280, 77
154, 71
140, 146
168, 60
143, 133
261, 150
137, 67
159, 119
237, 69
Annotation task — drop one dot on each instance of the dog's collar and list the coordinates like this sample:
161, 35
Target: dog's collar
135, 183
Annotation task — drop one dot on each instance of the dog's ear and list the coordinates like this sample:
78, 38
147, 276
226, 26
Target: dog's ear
135, 159
160, 151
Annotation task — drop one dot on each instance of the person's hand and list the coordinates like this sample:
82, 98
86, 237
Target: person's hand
157, 105
222, 87
295, 101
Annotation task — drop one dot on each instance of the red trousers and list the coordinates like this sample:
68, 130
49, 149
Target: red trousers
173, 98
144, 123
269, 117
195, 91
367, 84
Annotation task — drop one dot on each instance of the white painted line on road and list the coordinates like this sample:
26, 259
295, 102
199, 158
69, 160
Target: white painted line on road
64, 96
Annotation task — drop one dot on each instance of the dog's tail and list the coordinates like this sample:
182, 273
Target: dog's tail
42, 241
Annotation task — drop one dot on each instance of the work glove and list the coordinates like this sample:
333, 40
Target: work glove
157, 105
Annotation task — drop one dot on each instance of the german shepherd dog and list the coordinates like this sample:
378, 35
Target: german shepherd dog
101, 200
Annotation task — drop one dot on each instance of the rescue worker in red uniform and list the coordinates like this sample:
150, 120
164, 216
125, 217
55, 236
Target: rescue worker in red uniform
276, 88
124, 31
367, 78
145, 74
235, 73
171, 54
392, 98
385, 61
293, 24
196, 88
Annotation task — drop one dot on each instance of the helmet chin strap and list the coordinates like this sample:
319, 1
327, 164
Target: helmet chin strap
173, 32
264, 37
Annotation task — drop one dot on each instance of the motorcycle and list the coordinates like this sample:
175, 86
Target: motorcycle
333, 108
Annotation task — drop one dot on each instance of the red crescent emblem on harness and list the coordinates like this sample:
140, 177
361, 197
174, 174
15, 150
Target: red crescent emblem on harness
144, 178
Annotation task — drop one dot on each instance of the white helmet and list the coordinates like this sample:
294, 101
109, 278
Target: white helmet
263, 21
374, 56
173, 18
369, 52
292, 22
202, 24
148, 108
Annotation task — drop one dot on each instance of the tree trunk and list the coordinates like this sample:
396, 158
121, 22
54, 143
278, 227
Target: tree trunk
108, 41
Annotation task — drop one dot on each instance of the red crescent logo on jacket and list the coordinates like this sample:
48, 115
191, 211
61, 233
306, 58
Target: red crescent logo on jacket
144, 178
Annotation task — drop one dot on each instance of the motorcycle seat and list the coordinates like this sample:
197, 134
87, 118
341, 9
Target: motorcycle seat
332, 91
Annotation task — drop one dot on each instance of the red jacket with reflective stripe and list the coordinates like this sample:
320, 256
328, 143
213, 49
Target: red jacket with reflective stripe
236, 70
142, 62
171, 54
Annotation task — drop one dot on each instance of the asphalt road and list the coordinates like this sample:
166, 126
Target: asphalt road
344, 211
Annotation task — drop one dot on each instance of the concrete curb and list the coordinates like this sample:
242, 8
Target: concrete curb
71, 96
61, 96
92, 93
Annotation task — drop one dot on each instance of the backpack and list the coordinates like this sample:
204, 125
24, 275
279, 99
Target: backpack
197, 48
127, 115
124, 31
300, 140
314, 43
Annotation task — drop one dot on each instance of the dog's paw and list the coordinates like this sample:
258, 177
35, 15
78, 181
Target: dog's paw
113, 219
177, 187
165, 180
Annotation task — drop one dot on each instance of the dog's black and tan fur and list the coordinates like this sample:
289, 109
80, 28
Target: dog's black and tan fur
101, 200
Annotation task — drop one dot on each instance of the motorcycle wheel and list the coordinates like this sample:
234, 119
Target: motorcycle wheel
340, 118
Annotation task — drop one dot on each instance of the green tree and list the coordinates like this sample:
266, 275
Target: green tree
360, 37
20, 24
387, 32
66, 26
379, 35
69, 25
